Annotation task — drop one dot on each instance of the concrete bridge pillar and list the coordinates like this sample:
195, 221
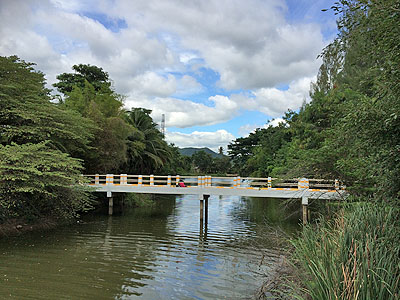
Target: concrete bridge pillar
110, 206
304, 204
203, 210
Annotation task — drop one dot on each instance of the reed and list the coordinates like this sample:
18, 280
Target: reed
354, 256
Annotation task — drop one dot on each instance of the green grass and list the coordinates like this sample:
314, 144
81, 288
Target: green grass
354, 256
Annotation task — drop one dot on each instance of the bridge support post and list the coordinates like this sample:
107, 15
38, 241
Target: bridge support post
201, 212
206, 209
304, 204
110, 206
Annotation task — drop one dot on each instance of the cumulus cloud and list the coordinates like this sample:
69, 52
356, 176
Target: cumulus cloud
212, 140
275, 102
185, 113
250, 44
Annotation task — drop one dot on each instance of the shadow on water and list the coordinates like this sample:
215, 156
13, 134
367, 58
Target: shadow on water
157, 252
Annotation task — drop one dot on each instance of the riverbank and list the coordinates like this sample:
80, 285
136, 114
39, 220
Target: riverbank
284, 282
14, 227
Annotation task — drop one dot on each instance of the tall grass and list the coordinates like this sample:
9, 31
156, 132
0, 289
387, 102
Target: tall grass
355, 256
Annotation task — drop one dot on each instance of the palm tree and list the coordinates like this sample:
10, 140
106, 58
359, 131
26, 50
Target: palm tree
147, 150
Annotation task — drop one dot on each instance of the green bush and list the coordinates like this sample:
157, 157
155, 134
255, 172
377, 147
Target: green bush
38, 181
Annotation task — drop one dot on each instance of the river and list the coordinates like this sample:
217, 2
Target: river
151, 253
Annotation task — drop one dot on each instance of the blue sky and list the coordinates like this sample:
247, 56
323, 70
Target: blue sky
217, 69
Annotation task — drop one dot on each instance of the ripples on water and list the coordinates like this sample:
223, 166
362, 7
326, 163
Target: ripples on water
151, 253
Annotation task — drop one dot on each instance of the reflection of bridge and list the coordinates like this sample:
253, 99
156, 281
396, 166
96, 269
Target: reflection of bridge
204, 186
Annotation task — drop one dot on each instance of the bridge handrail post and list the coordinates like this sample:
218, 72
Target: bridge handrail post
199, 181
97, 179
269, 182
177, 178
303, 183
169, 181
140, 180
210, 180
238, 181
123, 179
151, 179
234, 182
336, 184
109, 179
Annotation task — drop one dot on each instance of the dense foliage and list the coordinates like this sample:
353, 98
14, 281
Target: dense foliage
39, 177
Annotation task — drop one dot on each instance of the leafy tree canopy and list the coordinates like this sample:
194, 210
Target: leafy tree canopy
94, 75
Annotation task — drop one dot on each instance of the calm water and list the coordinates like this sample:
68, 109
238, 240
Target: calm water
151, 253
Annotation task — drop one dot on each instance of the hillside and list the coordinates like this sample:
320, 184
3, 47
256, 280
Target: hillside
190, 151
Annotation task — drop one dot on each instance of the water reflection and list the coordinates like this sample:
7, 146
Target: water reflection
155, 253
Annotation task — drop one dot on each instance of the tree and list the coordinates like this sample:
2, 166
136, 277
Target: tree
202, 161
38, 138
177, 164
38, 181
147, 151
221, 165
84, 74
265, 158
88, 92
27, 115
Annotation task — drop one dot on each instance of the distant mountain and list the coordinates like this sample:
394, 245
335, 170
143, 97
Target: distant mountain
190, 151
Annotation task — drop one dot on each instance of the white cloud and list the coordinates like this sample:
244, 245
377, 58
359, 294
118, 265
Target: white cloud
187, 85
212, 140
153, 84
274, 102
249, 43
185, 113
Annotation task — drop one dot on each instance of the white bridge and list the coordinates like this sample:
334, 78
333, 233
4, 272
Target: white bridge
204, 186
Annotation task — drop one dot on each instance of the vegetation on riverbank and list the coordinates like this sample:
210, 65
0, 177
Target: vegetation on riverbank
350, 131
354, 256
357, 254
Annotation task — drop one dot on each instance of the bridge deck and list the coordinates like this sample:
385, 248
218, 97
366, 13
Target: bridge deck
206, 185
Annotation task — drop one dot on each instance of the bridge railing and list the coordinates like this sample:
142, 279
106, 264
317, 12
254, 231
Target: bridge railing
218, 182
